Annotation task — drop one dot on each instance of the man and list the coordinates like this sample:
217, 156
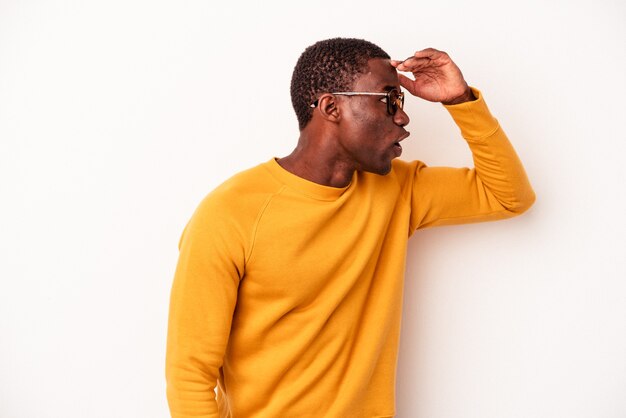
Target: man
288, 289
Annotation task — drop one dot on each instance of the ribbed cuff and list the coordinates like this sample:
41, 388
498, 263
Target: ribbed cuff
473, 118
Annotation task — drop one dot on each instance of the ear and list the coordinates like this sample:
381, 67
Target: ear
327, 107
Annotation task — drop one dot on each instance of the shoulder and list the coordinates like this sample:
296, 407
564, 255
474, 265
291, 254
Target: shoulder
240, 197
405, 171
402, 174
398, 182
249, 185
228, 213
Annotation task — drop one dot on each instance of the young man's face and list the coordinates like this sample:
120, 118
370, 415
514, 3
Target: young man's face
369, 135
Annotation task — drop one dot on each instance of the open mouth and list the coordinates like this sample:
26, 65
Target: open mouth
402, 138
396, 145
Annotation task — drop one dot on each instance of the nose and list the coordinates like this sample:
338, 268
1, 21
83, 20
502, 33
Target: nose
400, 117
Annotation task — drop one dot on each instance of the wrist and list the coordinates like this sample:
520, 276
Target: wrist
467, 96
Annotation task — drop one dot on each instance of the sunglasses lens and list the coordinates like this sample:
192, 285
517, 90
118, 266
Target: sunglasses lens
395, 100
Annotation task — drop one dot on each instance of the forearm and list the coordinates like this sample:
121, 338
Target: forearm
204, 295
197, 336
496, 164
496, 188
195, 348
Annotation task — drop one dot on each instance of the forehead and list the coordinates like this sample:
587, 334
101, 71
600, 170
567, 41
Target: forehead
380, 76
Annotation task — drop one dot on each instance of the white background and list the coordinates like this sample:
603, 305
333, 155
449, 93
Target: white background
117, 117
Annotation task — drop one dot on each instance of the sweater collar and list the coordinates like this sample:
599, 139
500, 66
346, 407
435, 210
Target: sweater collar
315, 190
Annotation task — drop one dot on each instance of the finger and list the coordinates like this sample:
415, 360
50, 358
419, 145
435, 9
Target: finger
432, 55
395, 63
405, 82
428, 53
405, 60
413, 64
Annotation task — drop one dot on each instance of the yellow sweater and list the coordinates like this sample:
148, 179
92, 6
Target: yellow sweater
288, 294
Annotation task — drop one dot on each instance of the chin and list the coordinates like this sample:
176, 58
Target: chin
381, 171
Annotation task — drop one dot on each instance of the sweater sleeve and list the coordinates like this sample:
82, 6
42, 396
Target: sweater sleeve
496, 188
203, 298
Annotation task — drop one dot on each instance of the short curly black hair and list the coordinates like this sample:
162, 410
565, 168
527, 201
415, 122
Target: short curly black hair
327, 66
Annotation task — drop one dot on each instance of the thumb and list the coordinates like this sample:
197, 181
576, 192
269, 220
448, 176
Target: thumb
406, 82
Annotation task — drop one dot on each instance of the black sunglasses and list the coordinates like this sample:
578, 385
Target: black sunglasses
393, 98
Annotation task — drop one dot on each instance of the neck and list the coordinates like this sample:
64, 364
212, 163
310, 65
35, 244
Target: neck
314, 159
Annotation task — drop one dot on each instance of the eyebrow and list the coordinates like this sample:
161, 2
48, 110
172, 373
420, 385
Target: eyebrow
388, 88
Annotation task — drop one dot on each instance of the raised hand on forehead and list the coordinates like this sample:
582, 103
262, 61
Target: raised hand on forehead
436, 77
